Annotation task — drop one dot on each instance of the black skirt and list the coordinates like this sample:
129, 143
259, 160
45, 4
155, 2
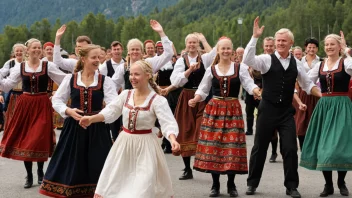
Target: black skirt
78, 160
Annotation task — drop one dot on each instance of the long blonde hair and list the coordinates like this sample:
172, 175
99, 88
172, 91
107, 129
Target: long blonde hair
147, 68
83, 52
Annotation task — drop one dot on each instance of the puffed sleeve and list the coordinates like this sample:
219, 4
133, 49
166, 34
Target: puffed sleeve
313, 74
348, 65
208, 58
158, 62
5, 70
55, 73
205, 85
61, 96
103, 69
110, 93
118, 77
178, 78
246, 81
165, 117
67, 64
113, 110
8, 83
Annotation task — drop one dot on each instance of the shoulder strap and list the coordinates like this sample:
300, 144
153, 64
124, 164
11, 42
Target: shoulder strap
12, 63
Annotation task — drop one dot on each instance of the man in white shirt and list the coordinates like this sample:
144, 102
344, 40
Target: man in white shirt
108, 68
279, 71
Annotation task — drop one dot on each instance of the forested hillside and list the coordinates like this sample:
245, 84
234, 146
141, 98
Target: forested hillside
213, 18
28, 11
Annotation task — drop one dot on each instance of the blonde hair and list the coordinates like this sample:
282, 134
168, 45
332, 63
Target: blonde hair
217, 57
269, 38
19, 45
147, 68
297, 47
31, 41
191, 36
83, 52
285, 31
133, 41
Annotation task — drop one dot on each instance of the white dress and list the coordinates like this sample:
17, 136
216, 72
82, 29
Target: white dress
136, 166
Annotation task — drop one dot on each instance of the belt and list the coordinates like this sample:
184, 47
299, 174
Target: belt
137, 131
335, 94
224, 98
31, 93
195, 89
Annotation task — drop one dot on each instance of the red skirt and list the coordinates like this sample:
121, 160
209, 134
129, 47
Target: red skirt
302, 118
29, 135
188, 120
350, 92
11, 108
222, 139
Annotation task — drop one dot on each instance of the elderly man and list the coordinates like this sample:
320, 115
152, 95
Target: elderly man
279, 71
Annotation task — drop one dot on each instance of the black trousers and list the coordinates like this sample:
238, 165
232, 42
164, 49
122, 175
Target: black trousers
273, 117
251, 104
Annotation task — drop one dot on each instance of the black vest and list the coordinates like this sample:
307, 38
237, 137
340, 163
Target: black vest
278, 83
35, 82
163, 78
111, 70
195, 77
226, 86
90, 99
126, 76
334, 81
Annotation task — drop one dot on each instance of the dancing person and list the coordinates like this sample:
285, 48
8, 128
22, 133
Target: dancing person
136, 165
80, 154
279, 71
29, 136
327, 146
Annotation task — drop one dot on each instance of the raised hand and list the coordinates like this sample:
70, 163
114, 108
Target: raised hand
60, 31
257, 32
156, 26
343, 41
200, 36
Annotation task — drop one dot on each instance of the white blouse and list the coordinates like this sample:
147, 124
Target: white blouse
156, 62
246, 80
178, 78
314, 72
305, 63
6, 70
158, 109
67, 64
15, 76
62, 95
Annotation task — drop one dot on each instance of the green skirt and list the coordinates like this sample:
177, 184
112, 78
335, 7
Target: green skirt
328, 142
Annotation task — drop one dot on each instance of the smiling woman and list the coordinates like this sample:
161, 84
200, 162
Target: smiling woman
80, 154
29, 135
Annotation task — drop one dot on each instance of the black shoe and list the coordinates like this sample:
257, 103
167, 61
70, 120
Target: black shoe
232, 191
215, 192
40, 176
344, 190
273, 158
293, 192
328, 190
186, 175
167, 150
29, 181
250, 190
249, 133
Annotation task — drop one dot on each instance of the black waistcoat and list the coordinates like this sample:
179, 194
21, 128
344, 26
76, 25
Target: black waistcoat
35, 82
110, 69
163, 78
278, 83
195, 77
89, 99
226, 86
334, 81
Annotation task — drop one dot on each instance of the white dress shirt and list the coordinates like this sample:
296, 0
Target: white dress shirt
178, 78
156, 62
206, 84
262, 63
62, 95
309, 67
67, 64
103, 68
